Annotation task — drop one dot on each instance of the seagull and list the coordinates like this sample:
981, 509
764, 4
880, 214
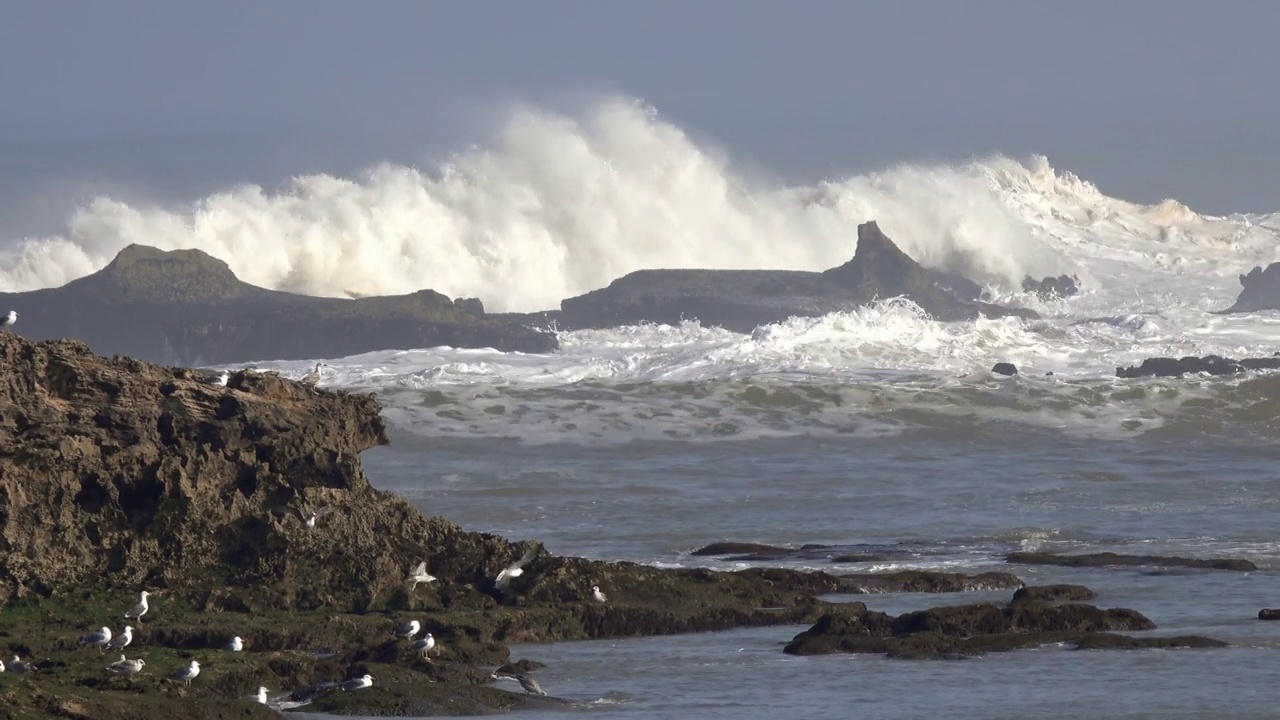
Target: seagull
137, 611
100, 638
358, 683
424, 645
235, 645
309, 519
1, 666
530, 685
9, 320
122, 640
127, 667
20, 667
514, 570
313, 377
186, 674
597, 595
221, 380
407, 630
420, 575
261, 696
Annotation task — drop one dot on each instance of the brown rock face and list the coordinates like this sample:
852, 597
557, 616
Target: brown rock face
152, 477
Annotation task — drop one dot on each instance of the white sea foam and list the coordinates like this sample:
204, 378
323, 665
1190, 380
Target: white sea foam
556, 206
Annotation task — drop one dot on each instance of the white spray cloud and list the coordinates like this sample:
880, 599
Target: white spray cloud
555, 207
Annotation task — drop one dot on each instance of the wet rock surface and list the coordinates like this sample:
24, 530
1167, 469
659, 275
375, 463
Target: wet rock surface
1105, 559
969, 630
1259, 290
1207, 365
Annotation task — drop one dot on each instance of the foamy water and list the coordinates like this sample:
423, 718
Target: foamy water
555, 206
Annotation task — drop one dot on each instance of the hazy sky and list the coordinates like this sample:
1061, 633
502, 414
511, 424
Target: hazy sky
1148, 99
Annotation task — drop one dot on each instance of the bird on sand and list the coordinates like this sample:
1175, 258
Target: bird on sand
597, 595
186, 674
420, 575
139, 609
530, 685
9, 320
514, 570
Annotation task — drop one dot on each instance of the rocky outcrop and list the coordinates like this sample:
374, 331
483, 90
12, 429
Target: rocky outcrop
1110, 559
184, 307
1207, 365
741, 300
967, 630
1260, 290
1269, 614
1062, 286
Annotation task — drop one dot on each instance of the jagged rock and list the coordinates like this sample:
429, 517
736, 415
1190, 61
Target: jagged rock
1207, 365
1063, 286
1004, 368
741, 300
1105, 559
184, 307
967, 630
471, 305
1260, 290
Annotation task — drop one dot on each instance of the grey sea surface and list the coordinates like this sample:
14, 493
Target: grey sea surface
955, 497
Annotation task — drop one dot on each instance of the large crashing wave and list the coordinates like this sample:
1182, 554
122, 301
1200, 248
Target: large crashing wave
555, 207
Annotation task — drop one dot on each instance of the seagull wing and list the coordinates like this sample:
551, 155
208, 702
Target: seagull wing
325, 510
420, 570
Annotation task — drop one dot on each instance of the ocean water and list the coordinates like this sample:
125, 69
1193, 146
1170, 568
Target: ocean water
880, 429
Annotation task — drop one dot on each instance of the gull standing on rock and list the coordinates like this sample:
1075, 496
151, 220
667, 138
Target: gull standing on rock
234, 645
407, 630
424, 645
137, 611
312, 378
9, 320
20, 667
358, 683
221, 380
261, 696
597, 595
186, 674
122, 640
100, 638
514, 570
1, 666
420, 575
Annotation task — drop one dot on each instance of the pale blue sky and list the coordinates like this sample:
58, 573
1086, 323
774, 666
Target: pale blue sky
1148, 98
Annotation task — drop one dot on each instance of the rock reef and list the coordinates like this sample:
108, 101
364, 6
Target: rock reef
1191, 365
1260, 290
184, 307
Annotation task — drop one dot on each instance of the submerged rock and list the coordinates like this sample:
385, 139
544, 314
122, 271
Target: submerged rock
1062, 286
1105, 559
741, 300
968, 630
1207, 365
1053, 594
1269, 614
1004, 368
184, 307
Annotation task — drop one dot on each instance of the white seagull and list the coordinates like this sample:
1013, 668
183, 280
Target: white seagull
424, 645
20, 667
9, 319
309, 519
127, 667
358, 683
1, 666
530, 685
100, 638
514, 570
261, 696
597, 595
407, 630
122, 640
312, 378
420, 575
221, 380
234, 645
137, 611
186, 674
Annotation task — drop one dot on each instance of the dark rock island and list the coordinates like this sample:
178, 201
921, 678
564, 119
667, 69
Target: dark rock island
1260, 290
183, 307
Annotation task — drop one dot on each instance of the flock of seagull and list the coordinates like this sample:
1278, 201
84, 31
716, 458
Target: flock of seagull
104, 640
